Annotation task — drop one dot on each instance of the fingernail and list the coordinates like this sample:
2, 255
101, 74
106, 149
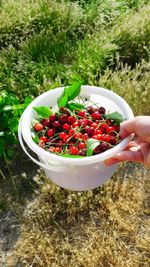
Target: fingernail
108, 162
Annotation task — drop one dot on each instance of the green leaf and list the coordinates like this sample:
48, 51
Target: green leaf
43, 112
74, 90
13, 124
69, 156
36, 139
10, 138
4, 99
75, 106
69, 93
63, 99
91, 145
27, 101
13, 99
115, 116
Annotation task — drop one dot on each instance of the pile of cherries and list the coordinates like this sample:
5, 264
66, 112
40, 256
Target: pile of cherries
66, 132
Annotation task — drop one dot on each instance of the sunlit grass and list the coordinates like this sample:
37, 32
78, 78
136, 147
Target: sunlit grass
103, 227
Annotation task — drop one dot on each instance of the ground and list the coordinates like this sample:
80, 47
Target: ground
49, 226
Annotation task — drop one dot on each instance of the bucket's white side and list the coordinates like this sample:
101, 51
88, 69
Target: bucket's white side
79, 178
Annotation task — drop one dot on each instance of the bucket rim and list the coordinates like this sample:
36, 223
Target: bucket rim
26, 132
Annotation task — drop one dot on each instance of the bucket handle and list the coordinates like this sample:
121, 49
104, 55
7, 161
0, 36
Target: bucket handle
43, 165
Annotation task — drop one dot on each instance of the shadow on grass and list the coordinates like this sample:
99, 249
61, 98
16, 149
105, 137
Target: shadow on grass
18, 185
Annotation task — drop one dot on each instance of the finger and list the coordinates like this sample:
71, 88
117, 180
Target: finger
128, 127
127, 155
132, 144
145, 149
112, 161
139, 125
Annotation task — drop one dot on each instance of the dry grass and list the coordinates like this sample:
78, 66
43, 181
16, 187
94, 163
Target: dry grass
132, 84
104, 227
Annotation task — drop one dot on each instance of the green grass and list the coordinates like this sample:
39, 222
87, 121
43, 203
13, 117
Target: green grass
61, 41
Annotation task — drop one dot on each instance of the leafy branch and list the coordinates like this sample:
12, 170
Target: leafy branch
10, 112
70, 93
115, 116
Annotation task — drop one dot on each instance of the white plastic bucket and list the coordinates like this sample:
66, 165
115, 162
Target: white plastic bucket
77, 174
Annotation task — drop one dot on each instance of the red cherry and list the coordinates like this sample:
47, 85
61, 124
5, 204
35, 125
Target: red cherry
95, 125
113, 140
60, 142
103, 127
81, 145
107, 138
90, 109
86, 128
66, 126
52, 117
71, 143
99, 137
94, 136
109, 122
85, 136
63, 110
56, 124
103, 137
102, 110
62, 135
98, 131
46, 123
65, 139
74, 150
81, 113
110, 129
89, 122
43, 139
71, 120
50, 132
63, 118
90, 131
96, 115
75, 124
38, 127
104, 146
71, 132
83, 122
78, 136
82, 152
116, 128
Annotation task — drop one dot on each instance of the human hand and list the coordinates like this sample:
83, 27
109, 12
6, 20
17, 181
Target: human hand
139, 149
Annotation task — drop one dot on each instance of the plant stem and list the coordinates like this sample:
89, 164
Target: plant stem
2, 174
